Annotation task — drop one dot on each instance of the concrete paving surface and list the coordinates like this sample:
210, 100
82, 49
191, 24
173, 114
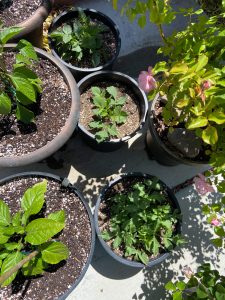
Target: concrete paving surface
90, 170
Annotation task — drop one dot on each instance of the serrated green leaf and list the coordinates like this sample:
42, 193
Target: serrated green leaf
12, 246
5, 104
33, 198
101, 136
95, 124
143, 257
112, 91
58, 216
96, 90
28, 51
23, 114
54, 252
106, 235
5, 217
10, 261
40, 230
117, 242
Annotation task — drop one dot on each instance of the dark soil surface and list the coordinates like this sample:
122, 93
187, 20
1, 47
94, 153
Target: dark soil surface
76, 235
162, 130
51, 111
123, 186
131, 108
13, 12
107, 51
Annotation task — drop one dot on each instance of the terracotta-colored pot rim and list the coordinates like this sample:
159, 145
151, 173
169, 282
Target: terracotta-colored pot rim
66, 131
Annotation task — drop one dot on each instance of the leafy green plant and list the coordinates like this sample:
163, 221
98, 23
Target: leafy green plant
107, 112
26, 242
142, 221
79, 38
19, 87
205, 284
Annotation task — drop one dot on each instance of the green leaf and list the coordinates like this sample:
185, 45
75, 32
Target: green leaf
112, 91
96, 90
7, 33
170, 286
54, 252
219, 231
34, 267
4, 254
201, 293
40, 230
143, 257
3, 239
177, 295
5, 104
107, 235
12, 246
67, 29
23, 114
10, 261
24, 87
33, 199
16, 219
117, 242
217, 116
197, 122
101, 136
210, 135
181, 285
206, 209
95, 124
5, 217
179, 68
155, 246
29, 52
202, 62
142, 21
58, 216
217, 242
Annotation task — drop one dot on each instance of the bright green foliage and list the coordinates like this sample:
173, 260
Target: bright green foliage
19, 236
206, 284
142, 221
80, 38
18, 88
107, 112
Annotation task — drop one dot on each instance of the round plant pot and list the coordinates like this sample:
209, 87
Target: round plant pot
62, 3
140, 98
64, 187
174, 203
33, 26
66, 131
93, 14
158, 150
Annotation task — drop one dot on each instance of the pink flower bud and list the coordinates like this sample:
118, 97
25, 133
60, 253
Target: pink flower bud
146, 80
215, 222
206, 84
187, 271
202, 186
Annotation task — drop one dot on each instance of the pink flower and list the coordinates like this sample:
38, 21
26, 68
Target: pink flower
187, 271
202, 186
206, 84
146, 80
215, 222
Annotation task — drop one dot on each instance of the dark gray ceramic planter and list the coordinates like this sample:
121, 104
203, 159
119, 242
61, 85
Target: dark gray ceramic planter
33, 26
118, 258
73, 189
158, 150
67, 130
93, 14
141, 99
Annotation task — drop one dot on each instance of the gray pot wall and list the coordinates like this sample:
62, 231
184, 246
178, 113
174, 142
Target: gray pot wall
66, 131
33, 26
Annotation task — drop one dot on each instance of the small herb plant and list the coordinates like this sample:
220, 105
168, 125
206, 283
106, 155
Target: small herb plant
205, 284
142, 221
19, 87
107, 112
26, 243
80, 38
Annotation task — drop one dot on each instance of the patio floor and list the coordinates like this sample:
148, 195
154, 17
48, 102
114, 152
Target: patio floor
90, 171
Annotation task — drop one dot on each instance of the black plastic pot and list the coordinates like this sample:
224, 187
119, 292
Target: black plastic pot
67, 130
73, 189
94, 78
93, 14
158, 150
120, 259
33, 26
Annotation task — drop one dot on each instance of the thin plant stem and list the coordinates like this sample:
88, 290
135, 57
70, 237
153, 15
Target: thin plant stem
18, 266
